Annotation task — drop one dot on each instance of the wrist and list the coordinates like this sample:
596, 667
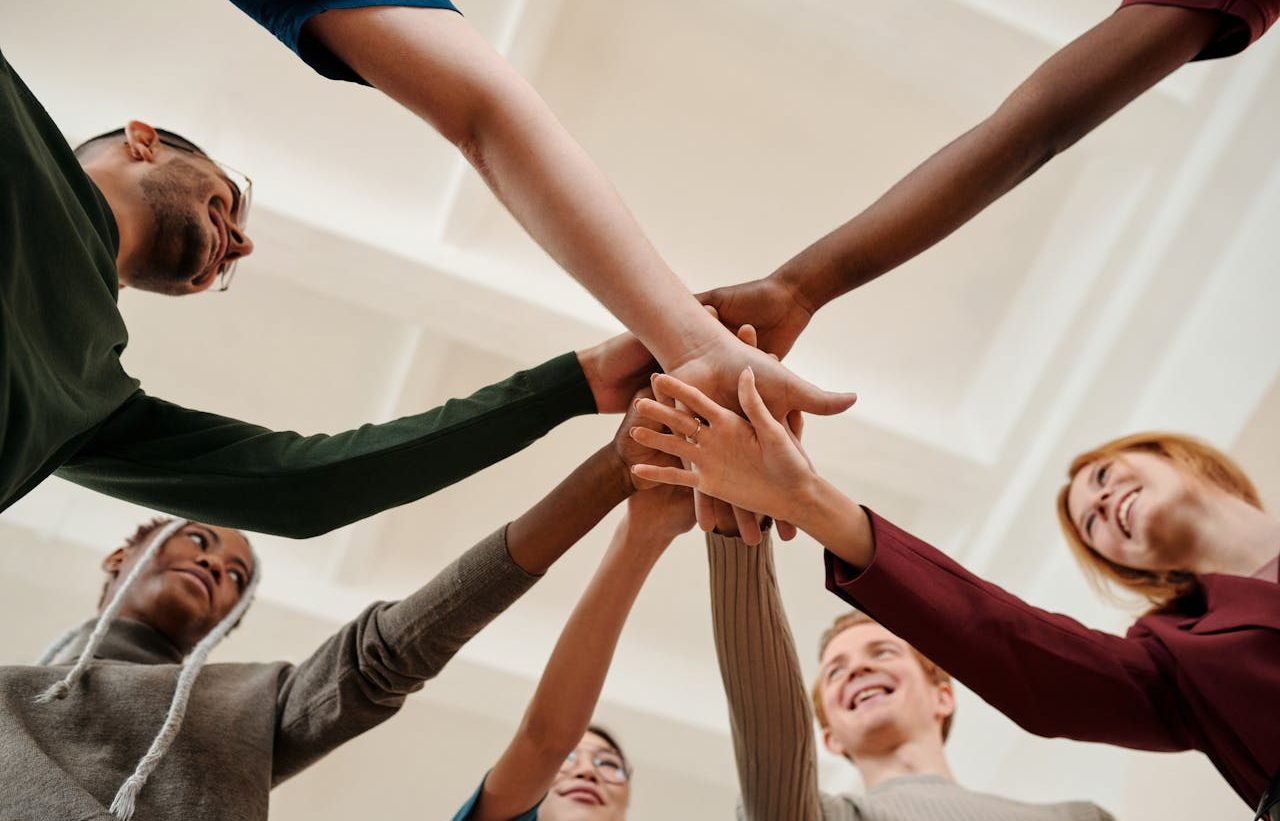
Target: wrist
839, 524
589, 361
695, 337
614, 473
805, 289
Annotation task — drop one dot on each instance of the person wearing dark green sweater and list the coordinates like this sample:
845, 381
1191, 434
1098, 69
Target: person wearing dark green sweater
145, 208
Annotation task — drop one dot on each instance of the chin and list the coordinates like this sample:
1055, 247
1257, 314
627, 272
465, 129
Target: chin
555, 808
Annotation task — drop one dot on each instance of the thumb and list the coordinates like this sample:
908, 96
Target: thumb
810, 398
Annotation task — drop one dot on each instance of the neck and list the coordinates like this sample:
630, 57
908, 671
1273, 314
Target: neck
915, 757
128, 212
1236, 538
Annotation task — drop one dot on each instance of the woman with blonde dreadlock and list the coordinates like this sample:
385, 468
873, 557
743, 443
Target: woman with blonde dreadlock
122, 718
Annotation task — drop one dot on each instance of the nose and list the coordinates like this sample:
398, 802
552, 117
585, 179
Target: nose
211, 563
1102, 500
583, 768
238, 242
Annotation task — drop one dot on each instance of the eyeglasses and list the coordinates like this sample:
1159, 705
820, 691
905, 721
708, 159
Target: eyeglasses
241, 196
609, 764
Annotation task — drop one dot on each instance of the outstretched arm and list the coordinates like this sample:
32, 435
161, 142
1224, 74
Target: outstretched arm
566, 697
1072, 93
434, 63
769, 712
437, 65
223, 471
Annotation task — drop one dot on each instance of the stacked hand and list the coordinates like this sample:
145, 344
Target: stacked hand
754, 463
612, 369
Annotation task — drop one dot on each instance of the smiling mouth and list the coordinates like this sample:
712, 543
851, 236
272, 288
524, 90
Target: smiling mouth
1124, 513
583, 795
869, 694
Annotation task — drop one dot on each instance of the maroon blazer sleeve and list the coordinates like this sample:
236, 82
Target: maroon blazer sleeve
1049, 673
1243, 22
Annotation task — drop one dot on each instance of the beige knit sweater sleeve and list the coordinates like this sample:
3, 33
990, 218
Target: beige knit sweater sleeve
772, 723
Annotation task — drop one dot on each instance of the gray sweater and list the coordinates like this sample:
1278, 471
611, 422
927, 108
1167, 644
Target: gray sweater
248, 726
772, 722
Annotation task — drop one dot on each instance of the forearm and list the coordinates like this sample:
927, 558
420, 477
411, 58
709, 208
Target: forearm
769, 712
570, 686
554, 189
569, 511
438, 66
1072, 93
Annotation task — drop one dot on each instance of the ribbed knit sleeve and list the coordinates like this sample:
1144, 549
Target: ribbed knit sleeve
773, 739
361, 676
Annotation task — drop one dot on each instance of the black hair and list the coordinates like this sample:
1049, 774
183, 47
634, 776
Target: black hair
609, 739
176, 140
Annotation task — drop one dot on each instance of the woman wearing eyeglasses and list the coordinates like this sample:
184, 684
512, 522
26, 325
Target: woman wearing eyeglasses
557, 767
1160, 514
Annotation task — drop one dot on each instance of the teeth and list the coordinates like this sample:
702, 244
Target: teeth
1123, 513
870, 692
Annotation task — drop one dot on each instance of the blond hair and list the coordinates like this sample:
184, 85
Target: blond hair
853, 618
1160, 589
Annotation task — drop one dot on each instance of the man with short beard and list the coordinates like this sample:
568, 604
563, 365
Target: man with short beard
140, 207
880, 704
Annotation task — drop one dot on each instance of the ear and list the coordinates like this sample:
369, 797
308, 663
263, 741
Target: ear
141, 140
945, 701
833, 744
112, 563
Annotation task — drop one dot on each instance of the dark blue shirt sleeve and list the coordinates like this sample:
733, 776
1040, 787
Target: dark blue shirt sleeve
464, 814
285, 19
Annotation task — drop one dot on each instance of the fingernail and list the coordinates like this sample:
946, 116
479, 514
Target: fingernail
653, 377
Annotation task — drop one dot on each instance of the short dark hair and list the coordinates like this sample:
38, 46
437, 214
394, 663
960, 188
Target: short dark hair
609, 739
85, 148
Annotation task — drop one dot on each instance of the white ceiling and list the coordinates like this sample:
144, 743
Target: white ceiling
1129, 285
